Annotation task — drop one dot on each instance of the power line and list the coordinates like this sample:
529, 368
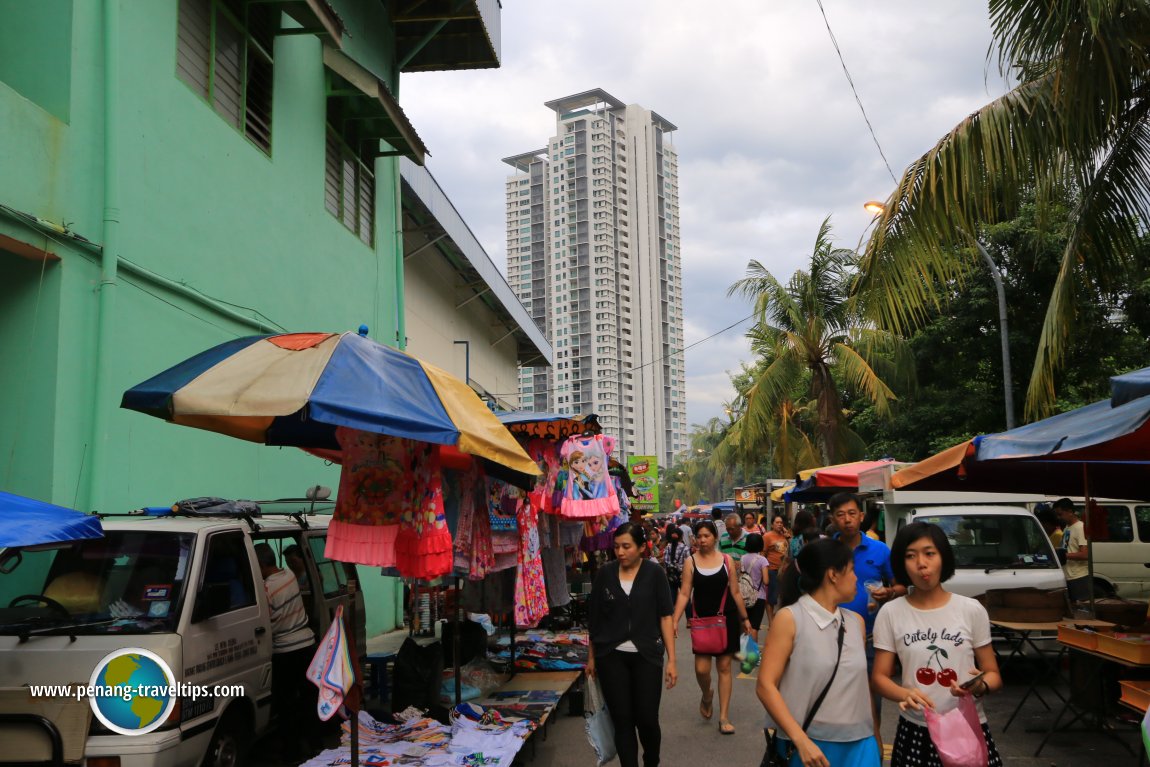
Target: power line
684, 350
854, 90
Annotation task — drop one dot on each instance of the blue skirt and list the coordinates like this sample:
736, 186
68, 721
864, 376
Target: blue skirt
855, 753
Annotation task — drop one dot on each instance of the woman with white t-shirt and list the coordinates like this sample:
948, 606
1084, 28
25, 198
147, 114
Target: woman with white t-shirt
940, 639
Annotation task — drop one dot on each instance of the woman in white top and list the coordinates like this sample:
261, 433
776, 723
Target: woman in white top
799, 661
940, 639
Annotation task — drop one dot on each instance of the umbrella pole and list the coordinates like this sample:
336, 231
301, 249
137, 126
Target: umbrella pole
353, 710
1089, 543
455, 641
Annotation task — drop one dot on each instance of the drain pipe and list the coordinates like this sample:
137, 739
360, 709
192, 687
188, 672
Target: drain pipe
109, 264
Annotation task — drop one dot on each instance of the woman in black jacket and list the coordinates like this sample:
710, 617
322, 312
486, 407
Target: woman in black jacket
630, 628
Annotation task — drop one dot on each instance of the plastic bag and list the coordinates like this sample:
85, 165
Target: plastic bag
957, 735
597, 723
748, 654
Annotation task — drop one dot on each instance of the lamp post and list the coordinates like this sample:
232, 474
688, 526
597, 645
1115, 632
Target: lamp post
877, 208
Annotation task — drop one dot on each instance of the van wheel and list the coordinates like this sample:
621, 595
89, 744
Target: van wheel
228, 747
1103, 590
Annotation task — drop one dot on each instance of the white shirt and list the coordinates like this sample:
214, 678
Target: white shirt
627, 646
845, 713
1074, 540
942, 639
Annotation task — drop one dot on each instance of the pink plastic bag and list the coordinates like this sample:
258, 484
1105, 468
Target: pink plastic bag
957, 735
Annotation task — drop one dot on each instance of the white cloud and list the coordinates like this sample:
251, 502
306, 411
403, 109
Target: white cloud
770, 138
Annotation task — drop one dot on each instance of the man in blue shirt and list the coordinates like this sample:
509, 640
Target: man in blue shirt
872, 563
872, 559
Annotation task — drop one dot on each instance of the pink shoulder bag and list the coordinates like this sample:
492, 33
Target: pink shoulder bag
709, 635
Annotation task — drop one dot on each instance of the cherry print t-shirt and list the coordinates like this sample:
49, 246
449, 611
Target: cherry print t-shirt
934, 647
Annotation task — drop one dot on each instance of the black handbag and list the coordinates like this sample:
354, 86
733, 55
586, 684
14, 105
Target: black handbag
772, 758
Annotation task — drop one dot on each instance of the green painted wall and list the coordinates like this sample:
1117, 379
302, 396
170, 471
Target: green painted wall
36, 52
200, 205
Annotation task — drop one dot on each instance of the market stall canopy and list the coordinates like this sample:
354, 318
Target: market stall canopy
821, 483
553, 426
28, 522
1105, 445
294, 389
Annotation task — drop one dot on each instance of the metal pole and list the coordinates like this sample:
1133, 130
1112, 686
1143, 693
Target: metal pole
353, 710
466, 361
1007, 388
456, 652
1086, 526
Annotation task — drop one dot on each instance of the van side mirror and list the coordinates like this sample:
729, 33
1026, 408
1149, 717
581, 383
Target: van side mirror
214, 599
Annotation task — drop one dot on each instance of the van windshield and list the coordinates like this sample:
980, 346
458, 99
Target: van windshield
998, 540
129, 582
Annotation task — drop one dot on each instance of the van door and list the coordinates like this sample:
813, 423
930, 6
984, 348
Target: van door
227, 639
330, 587
1118, 559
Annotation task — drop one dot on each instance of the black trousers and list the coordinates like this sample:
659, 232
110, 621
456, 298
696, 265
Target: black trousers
632, 688
294, 700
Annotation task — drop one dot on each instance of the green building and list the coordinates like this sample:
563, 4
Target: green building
176, 173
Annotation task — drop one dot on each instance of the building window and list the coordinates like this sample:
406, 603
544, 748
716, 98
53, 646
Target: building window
349, 188
224, 53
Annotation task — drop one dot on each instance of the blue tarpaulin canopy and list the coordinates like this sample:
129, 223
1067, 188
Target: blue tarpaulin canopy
28, 522
1102, 449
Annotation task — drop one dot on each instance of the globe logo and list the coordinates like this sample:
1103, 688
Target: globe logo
131, 691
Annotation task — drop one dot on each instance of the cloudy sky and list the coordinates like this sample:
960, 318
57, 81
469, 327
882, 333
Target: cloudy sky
770, 138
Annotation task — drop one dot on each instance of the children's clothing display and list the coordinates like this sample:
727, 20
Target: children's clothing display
423, 546
375, 488
588, 490
502, 501
530, 589
474, 554
546, 454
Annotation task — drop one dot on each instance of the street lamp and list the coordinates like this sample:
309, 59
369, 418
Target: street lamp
878, 208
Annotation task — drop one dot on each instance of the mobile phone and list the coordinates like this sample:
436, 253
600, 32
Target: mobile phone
969, 683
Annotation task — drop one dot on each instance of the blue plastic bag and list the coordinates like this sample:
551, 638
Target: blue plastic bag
597, 723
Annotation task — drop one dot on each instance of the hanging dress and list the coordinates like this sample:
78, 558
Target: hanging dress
530, 588
588, 491
375, 488
423, 545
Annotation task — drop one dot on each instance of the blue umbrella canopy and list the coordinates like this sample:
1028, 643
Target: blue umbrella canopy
28, 522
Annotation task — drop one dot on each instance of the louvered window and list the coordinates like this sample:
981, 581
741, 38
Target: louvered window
224, 53
349, 188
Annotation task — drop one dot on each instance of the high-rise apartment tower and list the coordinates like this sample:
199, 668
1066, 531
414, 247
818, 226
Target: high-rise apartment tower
593, 253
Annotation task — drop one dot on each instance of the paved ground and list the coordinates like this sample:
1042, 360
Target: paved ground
690, 740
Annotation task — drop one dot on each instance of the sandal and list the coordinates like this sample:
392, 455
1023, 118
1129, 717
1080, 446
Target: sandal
726, 727
706, 708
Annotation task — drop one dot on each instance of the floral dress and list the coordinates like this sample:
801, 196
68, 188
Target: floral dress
530, 588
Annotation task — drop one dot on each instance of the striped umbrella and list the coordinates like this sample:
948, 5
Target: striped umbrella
294, 389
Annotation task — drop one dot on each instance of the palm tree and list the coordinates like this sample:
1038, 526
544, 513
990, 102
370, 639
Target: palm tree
1077, 120
810, 330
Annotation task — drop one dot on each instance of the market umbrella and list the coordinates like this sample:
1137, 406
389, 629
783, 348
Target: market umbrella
28, 522
294, 389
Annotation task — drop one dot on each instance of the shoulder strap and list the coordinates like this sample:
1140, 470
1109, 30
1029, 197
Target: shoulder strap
819, 700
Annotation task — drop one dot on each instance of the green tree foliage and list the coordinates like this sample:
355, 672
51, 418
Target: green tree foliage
1079, 118
957, 352
815, 351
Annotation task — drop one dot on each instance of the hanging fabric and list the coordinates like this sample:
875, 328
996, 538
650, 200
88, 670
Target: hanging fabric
375, 488
502, 502
474, 554
588, 490
423, 545
546, 454
530, 589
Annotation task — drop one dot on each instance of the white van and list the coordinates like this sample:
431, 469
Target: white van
188, 590
1121, 548
995, 547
